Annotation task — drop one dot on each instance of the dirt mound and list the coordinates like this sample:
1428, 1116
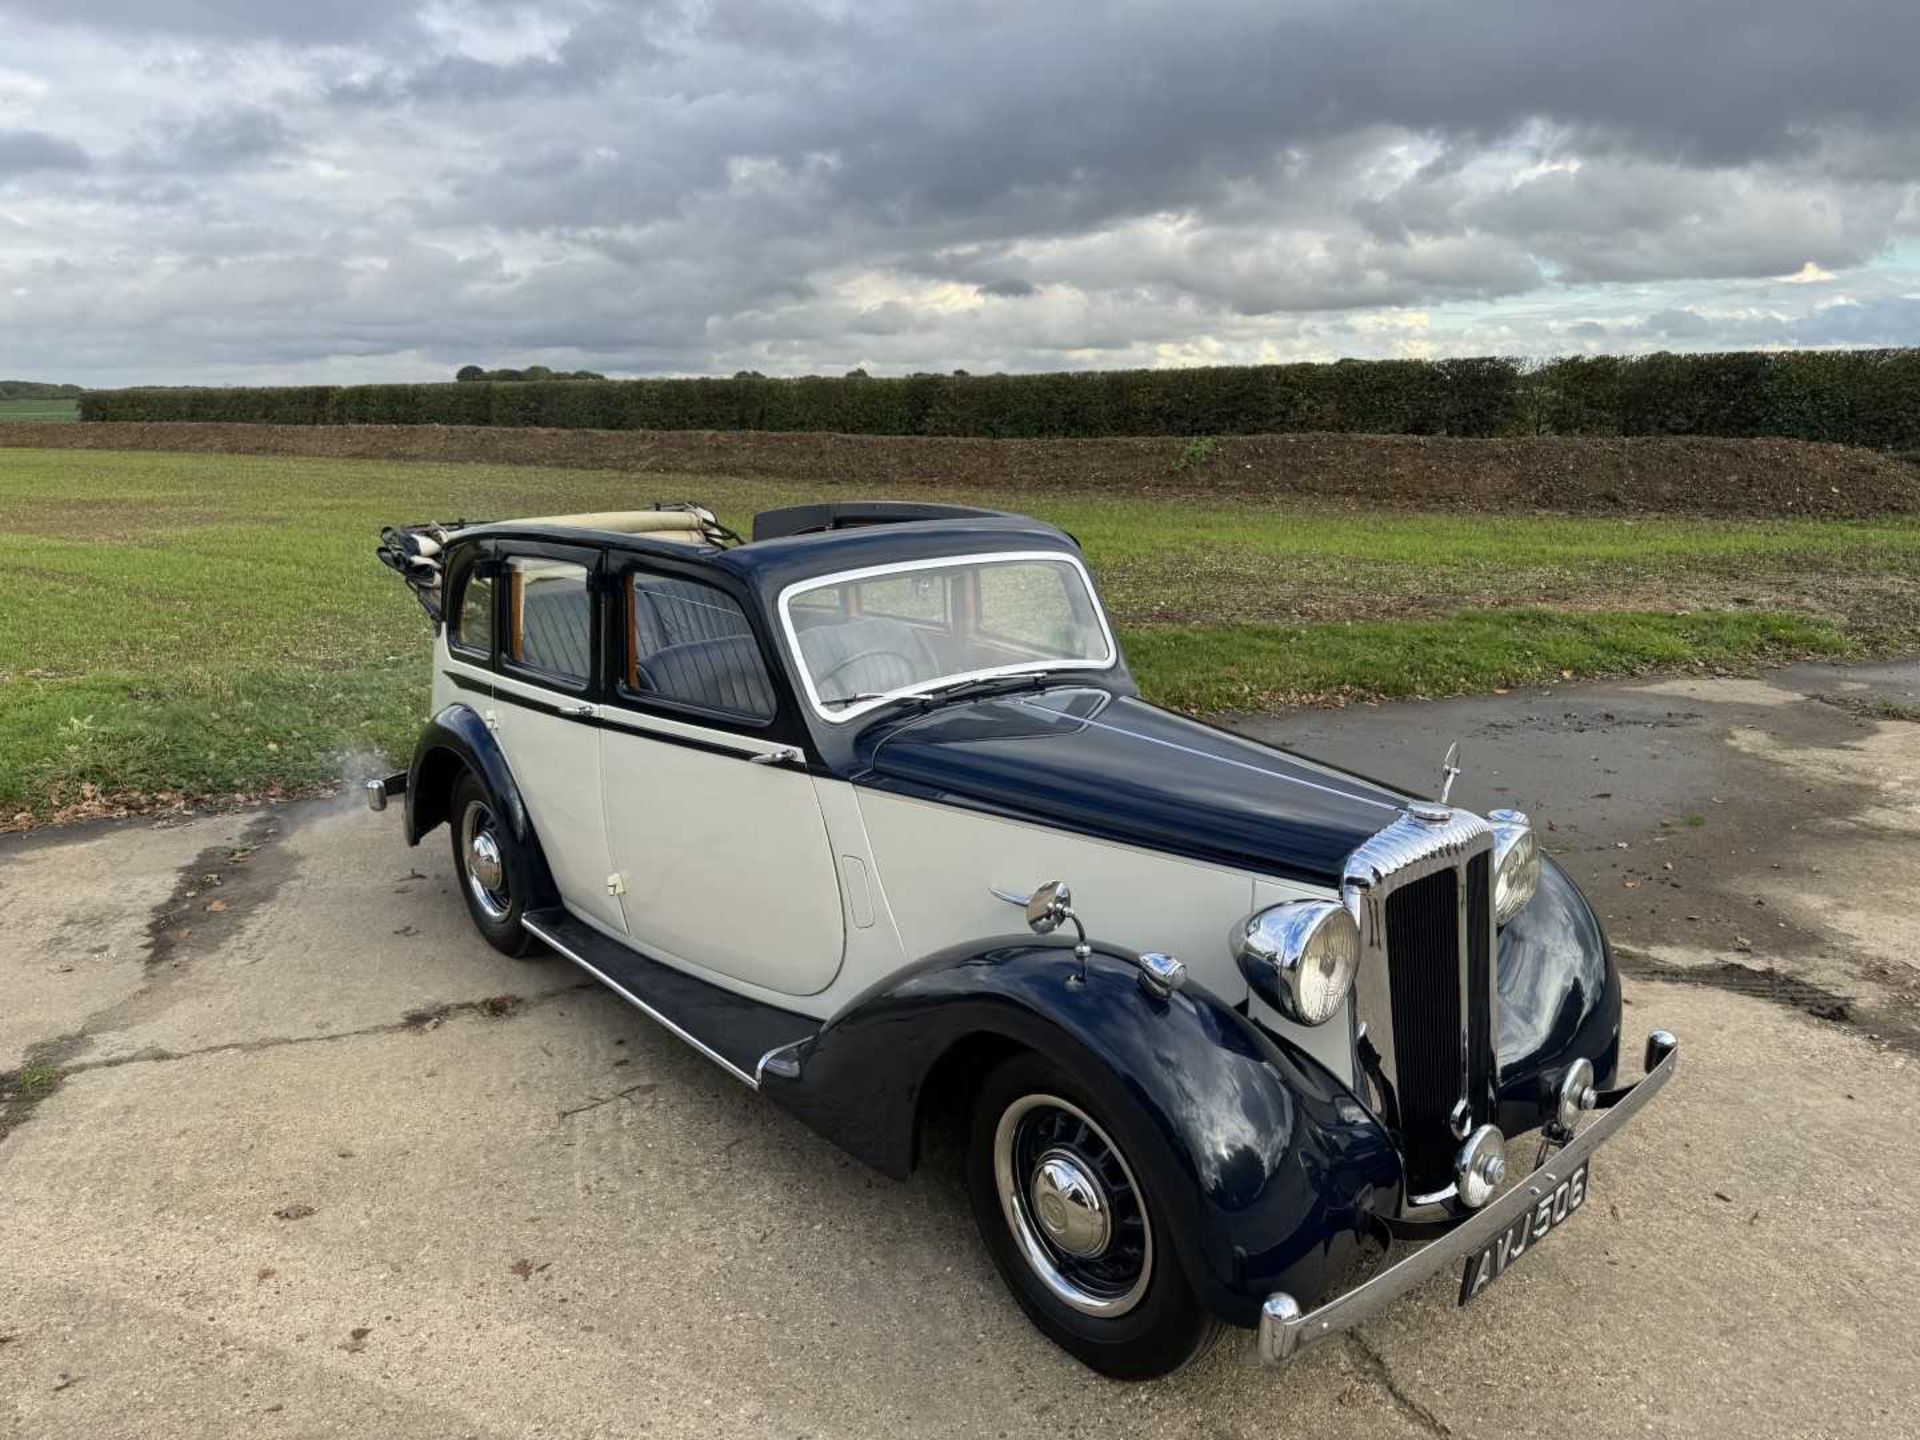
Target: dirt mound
1679, 476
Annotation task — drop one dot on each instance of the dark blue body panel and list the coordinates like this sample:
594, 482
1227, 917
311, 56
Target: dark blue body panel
1559, 1000
1113, 766
1271, 1175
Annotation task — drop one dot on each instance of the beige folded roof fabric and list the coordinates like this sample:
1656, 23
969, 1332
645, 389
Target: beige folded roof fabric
682, 526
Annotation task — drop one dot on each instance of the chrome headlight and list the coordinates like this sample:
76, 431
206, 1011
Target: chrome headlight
1516, 863
1300, 957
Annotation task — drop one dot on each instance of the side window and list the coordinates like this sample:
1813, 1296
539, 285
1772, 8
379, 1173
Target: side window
690, 644
550, 617
472, 627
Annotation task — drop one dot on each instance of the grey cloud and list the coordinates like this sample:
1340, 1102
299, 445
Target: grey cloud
333, 22
772, 184
22, 151
210, 144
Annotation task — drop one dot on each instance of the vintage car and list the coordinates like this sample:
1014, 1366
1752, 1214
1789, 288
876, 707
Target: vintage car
869, 812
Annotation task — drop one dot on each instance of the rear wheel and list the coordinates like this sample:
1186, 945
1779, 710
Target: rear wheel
492, 867
1071, 1221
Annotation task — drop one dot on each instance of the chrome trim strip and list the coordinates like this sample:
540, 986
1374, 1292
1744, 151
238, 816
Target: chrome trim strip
752, 1082
1285, 1331
790, 1069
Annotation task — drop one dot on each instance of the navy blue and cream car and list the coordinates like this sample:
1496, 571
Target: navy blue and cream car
869, 812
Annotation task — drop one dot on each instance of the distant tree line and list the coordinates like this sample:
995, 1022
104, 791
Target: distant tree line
38, 390
1859, 397
471, 374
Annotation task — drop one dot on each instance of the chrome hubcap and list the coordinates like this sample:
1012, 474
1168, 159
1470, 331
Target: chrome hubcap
483, 858
1070, 1205
1077, 1215
486, 870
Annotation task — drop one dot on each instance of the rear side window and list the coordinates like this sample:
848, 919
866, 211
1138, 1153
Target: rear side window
473, 623
690, 644
550, 616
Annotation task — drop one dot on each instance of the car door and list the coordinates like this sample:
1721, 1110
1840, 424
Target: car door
544, 710
716, 833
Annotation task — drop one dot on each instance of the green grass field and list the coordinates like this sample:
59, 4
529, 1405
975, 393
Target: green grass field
188, 625
39, 410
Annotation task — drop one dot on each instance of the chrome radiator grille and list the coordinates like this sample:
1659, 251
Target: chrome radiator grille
1426, 990
1423, 973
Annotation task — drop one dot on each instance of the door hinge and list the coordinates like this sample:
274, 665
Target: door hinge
616, 884
492, 718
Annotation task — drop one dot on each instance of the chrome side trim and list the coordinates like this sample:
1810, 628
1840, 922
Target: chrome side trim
782, 1060
1285, 1331
552, 942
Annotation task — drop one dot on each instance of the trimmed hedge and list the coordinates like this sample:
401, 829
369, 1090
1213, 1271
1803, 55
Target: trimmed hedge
1858, 397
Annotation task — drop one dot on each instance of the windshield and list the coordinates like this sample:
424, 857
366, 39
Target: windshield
870, 636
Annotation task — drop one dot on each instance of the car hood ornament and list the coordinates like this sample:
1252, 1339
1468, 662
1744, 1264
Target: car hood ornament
1449, 771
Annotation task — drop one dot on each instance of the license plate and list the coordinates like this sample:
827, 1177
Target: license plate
1550, 1212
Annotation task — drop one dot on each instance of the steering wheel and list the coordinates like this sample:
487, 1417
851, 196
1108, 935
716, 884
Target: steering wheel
839, 666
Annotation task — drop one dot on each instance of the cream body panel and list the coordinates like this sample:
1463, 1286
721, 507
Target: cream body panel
938, 865
727, 864
556, 764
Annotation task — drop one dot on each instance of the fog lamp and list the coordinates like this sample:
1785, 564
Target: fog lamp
1481, 1166
1577, 1095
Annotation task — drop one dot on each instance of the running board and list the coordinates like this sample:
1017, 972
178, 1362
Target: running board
737, 1034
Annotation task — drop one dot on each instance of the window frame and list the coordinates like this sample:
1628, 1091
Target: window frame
850, 713
589, 559
477, 563
617, 651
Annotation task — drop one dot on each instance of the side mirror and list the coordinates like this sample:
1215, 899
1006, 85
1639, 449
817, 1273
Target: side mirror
1049, 907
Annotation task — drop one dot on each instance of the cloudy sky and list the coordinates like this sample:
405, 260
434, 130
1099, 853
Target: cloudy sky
264, 190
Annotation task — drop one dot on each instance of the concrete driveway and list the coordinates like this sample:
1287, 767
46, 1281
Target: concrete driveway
287, 1151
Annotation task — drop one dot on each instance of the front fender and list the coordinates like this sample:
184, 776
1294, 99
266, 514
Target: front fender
1270, 1169
1559, 1000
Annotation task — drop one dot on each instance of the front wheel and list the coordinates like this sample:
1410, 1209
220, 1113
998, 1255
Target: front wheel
1073, 1226
491, 865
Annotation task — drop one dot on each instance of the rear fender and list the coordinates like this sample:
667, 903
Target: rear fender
1269, 1169
458, 739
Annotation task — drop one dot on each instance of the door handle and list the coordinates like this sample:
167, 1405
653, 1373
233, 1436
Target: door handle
785, 755
580, 710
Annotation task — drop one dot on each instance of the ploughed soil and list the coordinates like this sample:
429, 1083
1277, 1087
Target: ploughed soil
1764, 477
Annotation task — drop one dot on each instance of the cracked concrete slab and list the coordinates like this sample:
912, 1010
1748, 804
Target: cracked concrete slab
309, 1173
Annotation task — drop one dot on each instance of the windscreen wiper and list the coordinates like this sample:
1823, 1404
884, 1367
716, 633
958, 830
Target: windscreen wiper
840, 702
978, 684
984, 685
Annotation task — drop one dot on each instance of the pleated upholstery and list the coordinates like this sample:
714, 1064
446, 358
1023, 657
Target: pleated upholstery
713, 674
691, 643
556, 625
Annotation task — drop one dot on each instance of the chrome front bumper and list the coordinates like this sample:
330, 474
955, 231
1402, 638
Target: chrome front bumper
1285, 1330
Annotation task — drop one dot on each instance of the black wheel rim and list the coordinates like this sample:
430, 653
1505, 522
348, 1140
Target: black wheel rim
1094, 1252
